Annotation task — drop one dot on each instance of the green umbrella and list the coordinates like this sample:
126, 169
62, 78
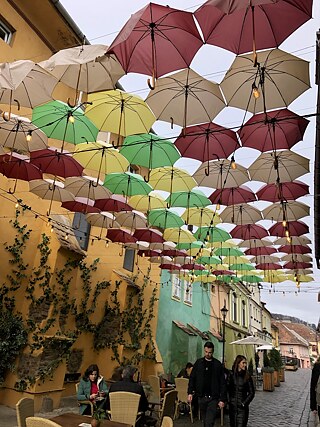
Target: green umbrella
243, 267
193, 245
60, 121
164, 218
127, 184
188, 199
150, 151
228, 278
201, 272
210, 260
212, 234
228, 252
251, 278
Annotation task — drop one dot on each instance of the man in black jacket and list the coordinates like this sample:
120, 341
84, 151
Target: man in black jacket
207, 382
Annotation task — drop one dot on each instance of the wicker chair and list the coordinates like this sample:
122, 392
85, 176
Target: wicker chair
154, 382
124, 407
167, 422
84, 402
182, 389
40, 422
169, 405
24, 409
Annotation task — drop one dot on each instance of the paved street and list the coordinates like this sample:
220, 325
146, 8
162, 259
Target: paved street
287, 406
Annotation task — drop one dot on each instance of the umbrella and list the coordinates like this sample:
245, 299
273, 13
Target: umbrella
295, 249
220, 174
195, 245
264, 347
233, 196
279, 76
268, 266
294, 265
253, 242
131, 220
185, 98
228, 252
242, 26
207, 141
212, 234
149, 253
174, 253
178, 235
102, 219
251, 340
157, 40
164, 218
251, 278
236, 259
148, 202
119, 112
227, 278
170, 267
201, 217
188, 199
260, 251
209, 260
282, 166
265, 259
85, 68
273, 130
56, 163
249, 231
242, 267
85, 186
286, 211
150, 151
148, 235
294, 240
60, 121
20, 134
120, 236
283, 191
241, 214
114, 203
296, 258
17, 166
171, 179
300, 278
127, 184
293, 228
50, 190
80, 204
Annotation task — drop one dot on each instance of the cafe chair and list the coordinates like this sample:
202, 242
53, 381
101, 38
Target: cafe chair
167, 422
124, 407
84, 402
40, 422
155, 396
168, 407
24, 409
182, 390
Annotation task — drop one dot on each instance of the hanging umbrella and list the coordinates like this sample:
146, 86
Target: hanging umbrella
119, 112
185, 98
85, 186
256, 243
149, 150
228, 252
233, 196
207, 141
80, 204
171, 179
280, 167
60, 121
195, 245
162, 246
251, 278
295, 249
102, 220
114, 203
157, 40
294, 240
145, 203
279, 78
242, 267
295, 265
56, 163
50, 190
120, 236
228, 278
127, 184
274, 130
241, 214
212, 234
268, 266
220, 174
235, 259
148, 253
170, 267
20, 134
198, 252
178, 235
131, 220
282, 191
164, 218
260, 250
295, 228
287, 211
242, 26
265, 259
209, 260
296, 258
174, 253
201, 217
300, 278
188, 199
148, 235
249, 231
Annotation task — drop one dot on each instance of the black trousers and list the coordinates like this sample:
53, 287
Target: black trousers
208, 410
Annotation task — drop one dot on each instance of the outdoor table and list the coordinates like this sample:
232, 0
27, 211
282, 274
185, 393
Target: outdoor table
73, 420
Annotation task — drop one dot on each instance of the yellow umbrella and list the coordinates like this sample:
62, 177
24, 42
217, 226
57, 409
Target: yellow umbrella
201, 217
198, 252
236, 259
206, 278
145, 203
178, 235
171, 179
300, 278
227, 244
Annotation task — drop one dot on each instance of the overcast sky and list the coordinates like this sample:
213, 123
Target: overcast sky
100, 22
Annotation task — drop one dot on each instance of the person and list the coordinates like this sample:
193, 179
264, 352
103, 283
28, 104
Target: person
186, 371
92, 387
315, 376
240, 391
207, 382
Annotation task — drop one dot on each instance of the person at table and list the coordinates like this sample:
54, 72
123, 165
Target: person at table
92, 387
186, 371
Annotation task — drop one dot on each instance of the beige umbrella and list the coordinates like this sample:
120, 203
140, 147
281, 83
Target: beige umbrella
171, 179
145, 203
286, 211
278, 79
86, 186
131, 220
241, 214
294, 240
52, 190
283, 166
185, 98
103, 220
262, 259
255, 243
201, 217
296, 258
300, 271
162, 246
220, 174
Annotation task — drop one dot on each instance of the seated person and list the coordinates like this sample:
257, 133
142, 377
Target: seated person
92, 387
185, 372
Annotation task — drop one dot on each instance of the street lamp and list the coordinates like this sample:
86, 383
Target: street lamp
224, 312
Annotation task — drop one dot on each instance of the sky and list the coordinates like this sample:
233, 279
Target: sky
100, 23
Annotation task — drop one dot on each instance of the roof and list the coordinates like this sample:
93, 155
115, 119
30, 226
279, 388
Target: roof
183, 327
215, 334
294, 333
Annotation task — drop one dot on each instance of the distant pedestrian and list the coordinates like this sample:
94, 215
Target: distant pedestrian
207, 382
186, 372
315, 388
241, 392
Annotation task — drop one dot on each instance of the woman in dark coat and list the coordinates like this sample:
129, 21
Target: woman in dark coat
314, 404
241, 392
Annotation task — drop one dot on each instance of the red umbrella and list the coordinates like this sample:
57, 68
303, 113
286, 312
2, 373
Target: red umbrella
243, 26
274, 130
232, 196
120, 236
293, 228
262, 250
295, 249
297, 265
249, 231
17, 167
194, 266
170, 267
174, 253
148, 235
268, 266
114, 203
291, 190
157, 40
149, 253
56, 163
80, 204
206, 142
223, 272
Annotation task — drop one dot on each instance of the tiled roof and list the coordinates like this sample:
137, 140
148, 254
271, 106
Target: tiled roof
294, 333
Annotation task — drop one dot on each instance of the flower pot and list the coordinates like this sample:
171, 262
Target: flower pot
276, 378
281, 375
95, 422
268, 382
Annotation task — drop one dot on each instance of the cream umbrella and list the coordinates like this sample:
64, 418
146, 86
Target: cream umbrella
103, 220
286, 211
131, 220
86, 186
294, 240
256, 243
263, 259
297, 258
171, 179
241, 214
201, 217
52, 190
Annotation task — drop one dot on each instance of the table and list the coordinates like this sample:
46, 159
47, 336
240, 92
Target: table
73, 420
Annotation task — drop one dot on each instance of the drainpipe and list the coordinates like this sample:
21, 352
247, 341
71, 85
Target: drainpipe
317, 160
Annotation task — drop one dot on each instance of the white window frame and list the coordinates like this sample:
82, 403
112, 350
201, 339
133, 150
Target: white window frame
187, 293
176, 287
6, 30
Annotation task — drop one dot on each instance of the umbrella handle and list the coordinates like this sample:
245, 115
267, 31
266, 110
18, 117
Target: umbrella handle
69, 103
152, 82
6, 115
207, 171
147, 178
14, 188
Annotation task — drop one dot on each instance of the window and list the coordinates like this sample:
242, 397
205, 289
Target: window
176, 287
234, 307
187, 297
243, 313
128, 261
6, 31
81, 229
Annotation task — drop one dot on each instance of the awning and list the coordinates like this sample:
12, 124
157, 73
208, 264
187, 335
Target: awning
203, 335
65, 234
126, 279
183, 327
215, 334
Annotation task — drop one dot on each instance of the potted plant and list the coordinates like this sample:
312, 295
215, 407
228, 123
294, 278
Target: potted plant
267, 373
276, 363
98, 415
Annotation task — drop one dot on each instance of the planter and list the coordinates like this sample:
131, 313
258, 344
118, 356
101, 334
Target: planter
281, 375
95, 423
268, 381
276, 378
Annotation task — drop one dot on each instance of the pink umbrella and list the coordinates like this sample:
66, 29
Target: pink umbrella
157, 40
262, 250
56, 163
291, 190
295, 249
297, 265
120, 236
249, 231
268, 266
292, 228
148, 235
274, 130
232, 196
115, 203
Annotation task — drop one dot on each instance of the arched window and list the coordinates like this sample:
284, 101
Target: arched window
234, 307
243, 313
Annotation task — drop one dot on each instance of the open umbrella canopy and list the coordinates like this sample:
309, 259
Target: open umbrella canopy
233, 196
249, 231
102, 219
194, 245
201, 217
242, 267
56, 163
188, 199
293, 228
114, 203
296, 258
178, 235
148, 235
288, 211
127, 184
212, 234
164, 218
228, 252
300, 278
260, 251
17, 166
80, 204
265, 259
294, 265
227, 278
241, 214
268, 266
251, 278
145, 203
50, 190
171, 179
291, 190
84, 186
295, 249
293, 240
149, 150
131, 220
255, 243
120, 236
209, 260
